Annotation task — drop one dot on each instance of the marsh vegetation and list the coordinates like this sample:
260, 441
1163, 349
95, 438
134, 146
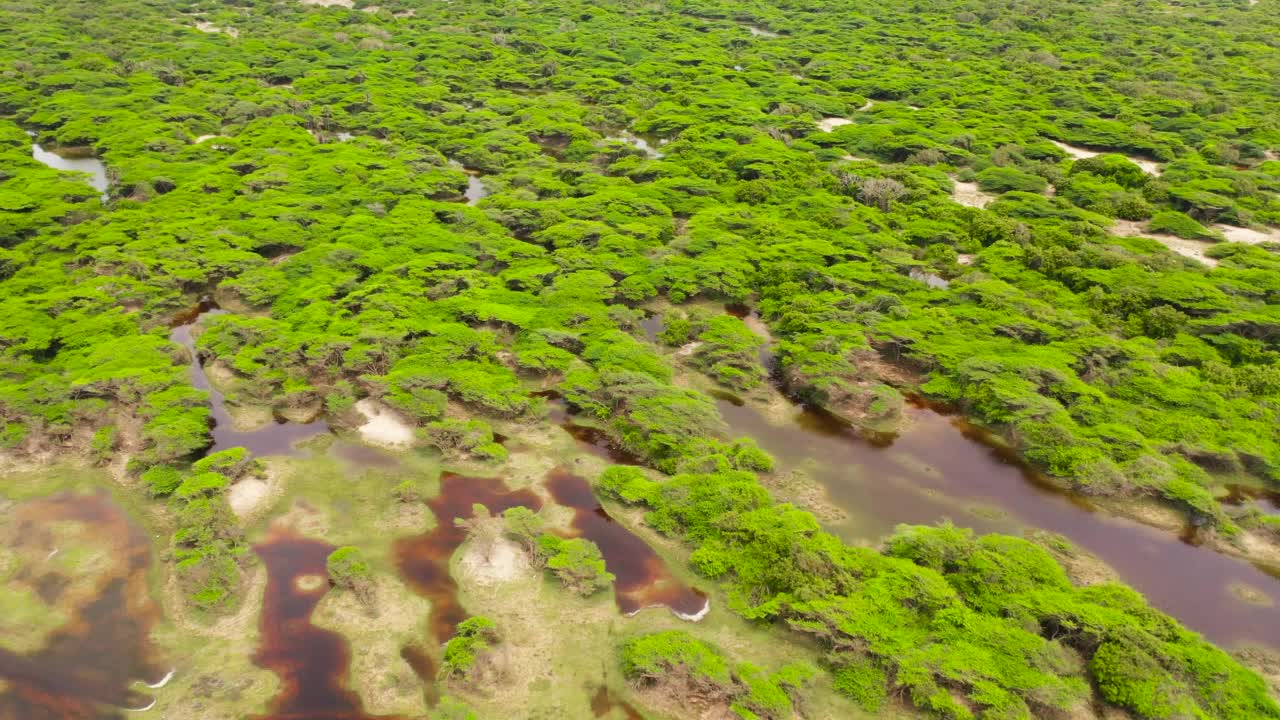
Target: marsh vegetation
769, 359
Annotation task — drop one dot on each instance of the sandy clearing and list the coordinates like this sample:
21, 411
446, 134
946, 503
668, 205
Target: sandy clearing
1193, 249
867, 106
970, 195
1150, 167
208, 27
831, 123
1248, 236
506, 562
329, 3
384, 427
963, 259
688, 349
248, 495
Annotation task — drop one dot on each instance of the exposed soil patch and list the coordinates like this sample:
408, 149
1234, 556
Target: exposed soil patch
970, 195
329, 3
1194, 249
383, 426
1248, 236
504, 563
1079, 153
831, 123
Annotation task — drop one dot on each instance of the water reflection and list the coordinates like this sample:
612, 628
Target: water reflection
938, 467
80, 160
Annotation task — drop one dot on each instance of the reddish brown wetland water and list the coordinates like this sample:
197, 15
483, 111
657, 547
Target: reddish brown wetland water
643, 578
100, 662
941, 467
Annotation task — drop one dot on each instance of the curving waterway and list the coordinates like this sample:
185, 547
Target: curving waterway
943, 468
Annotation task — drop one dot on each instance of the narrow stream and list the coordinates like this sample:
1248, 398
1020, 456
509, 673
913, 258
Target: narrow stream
277, 438
80, 160
313, 663
423, 560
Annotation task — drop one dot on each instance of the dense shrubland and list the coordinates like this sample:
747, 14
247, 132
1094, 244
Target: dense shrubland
325, 214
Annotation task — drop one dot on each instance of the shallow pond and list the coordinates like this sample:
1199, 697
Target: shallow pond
941, 467
80, 160
101, 660
311, 662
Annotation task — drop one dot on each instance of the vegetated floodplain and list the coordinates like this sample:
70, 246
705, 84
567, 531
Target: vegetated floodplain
455, 231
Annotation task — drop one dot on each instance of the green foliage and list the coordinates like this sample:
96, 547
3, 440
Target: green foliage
472, 638
650, 657
576, 562
1176, 223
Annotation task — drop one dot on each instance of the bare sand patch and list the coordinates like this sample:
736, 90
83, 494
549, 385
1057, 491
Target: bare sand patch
250, 494
383, 427
208, 27
831, 123
970, 195
1194, 249
203, 138
867, 106
1150, 167
688, 349
965, 259
504, 563
329, 3
1248, 236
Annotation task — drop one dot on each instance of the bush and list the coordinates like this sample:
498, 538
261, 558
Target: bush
1006, 179
348, 570
578, 564
1176, 223
473, 637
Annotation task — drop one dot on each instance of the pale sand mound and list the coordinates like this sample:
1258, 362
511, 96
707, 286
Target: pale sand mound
1193, 249
1248, 236
969, 195
688, 349
247, 495
831, 123
384, 426
1148, 166
208, 27
505, 562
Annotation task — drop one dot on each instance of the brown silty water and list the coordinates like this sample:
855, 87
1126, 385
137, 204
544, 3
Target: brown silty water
88, 667
277, 438
423, 560
312, 663
643, 579
940, 466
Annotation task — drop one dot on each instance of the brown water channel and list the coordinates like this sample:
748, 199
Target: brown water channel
311, 662
643, 579
939, 467
277, 438
89, 667
423, 560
